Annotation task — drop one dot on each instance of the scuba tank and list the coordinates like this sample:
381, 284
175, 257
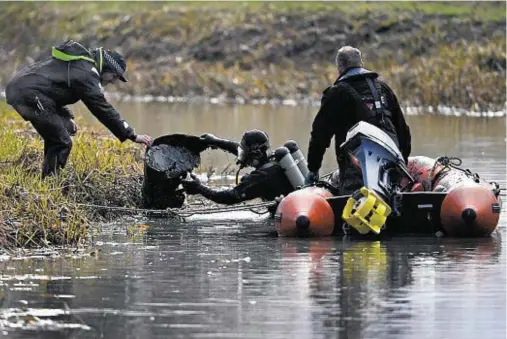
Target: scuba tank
298, 156
291, 169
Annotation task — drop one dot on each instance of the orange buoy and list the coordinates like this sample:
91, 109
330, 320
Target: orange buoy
470, 209
305, 212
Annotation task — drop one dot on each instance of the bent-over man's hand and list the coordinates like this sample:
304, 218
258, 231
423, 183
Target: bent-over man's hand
144, 139
74, 126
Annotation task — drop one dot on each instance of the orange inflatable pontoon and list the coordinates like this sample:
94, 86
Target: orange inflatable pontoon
443, 200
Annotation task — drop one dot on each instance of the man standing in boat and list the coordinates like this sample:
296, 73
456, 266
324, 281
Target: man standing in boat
357, 95
268, 181
40, 92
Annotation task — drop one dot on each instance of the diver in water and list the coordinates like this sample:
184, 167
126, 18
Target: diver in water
268, 181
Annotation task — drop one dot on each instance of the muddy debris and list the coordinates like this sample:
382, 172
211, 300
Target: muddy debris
168, 161
173, 161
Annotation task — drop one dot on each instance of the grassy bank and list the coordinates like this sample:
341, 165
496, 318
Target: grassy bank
432, 53
35, 212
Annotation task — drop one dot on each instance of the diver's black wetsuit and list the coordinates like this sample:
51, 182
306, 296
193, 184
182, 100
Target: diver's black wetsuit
267, 182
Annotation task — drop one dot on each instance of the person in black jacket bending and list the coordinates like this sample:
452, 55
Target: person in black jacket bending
357, 95
40, 92
268, 181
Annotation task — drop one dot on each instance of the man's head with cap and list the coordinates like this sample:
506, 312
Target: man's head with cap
113, 67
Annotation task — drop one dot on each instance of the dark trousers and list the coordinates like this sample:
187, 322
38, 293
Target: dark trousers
351, 180
56, 131
350, 176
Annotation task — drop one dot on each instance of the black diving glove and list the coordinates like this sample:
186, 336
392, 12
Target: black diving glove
214, 142
193, 185
311, 178
209, 140
221, 196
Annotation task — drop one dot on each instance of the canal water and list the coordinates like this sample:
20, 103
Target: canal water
228, 276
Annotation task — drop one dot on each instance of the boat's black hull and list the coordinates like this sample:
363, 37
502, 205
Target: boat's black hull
420, 215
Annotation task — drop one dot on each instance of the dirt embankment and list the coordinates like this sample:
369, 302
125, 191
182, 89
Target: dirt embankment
268, 51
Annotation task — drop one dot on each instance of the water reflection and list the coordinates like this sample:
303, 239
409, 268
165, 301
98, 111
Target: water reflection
376, 290
180, 280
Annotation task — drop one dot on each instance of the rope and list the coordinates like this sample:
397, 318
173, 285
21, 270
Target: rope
327, 175
497, 189
448, 163
455, 162
167, 212
247, 207
185, 213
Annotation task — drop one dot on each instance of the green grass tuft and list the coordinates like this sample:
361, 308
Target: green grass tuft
35, 212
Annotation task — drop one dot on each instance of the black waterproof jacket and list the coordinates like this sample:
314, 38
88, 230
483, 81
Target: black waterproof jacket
340, 110
71, 74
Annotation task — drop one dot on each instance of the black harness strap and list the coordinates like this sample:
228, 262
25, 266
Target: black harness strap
377, 102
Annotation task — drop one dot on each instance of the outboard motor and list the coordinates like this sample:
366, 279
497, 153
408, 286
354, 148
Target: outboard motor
383, 168
298, 156
292, 171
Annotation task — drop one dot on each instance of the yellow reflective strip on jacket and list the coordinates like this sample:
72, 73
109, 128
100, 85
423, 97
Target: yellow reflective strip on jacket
67, 57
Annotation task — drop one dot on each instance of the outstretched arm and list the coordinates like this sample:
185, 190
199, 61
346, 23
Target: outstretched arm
224, 144
220, 196
86, 84
249, 188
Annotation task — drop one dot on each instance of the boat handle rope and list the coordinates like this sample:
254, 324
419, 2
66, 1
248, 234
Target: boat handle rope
448, 163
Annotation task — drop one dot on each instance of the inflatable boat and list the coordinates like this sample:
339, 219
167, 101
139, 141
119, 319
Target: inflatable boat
424, 197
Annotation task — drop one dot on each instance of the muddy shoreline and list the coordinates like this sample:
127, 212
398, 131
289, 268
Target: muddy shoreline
262, 54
